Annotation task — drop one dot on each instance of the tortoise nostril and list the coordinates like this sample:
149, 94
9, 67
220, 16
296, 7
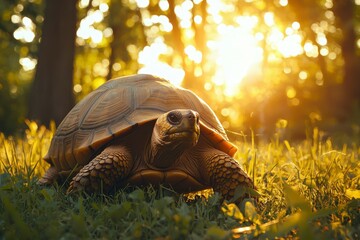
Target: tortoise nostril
193, 117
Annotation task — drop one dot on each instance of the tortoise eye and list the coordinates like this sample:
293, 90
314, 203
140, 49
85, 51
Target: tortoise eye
174, 118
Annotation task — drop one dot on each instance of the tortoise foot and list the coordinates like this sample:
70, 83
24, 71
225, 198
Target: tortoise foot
226, 175
101, 174
50, 176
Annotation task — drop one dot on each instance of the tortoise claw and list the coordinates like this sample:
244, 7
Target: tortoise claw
74, 188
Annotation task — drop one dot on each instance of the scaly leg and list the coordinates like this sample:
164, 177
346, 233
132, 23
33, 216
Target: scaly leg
225, 174
51, 175
103, 171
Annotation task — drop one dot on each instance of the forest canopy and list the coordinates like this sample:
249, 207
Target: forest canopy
261, 65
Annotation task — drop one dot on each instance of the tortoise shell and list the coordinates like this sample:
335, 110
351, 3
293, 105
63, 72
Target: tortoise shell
120, 106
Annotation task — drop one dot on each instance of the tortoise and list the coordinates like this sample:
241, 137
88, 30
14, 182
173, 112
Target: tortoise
139, 130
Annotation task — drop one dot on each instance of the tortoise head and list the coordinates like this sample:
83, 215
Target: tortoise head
173, 133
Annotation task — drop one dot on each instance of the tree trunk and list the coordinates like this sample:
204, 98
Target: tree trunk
123, 35
117, 24
51, 95
345, 18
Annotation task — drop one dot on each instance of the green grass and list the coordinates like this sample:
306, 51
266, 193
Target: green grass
309, 190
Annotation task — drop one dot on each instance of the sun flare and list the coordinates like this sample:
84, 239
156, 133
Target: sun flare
149, 57
236, 51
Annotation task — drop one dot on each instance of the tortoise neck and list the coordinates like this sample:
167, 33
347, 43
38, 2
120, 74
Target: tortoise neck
162, 155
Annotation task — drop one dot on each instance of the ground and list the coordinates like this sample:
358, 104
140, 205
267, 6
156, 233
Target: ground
309, 190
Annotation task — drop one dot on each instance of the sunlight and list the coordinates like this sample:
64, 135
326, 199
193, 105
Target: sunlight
164, 5
142, 3
283, 3
26, 32
193, 54
184, 13
269, 19
84, 3
236, 52
149, 58
236, 49
28, 63
290, 46
87, 30
162, 20
290, 43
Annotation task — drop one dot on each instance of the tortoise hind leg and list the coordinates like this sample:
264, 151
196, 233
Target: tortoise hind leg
51, 175
225, 174
103, 171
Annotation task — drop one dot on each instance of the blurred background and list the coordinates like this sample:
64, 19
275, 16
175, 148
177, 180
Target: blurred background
265, 66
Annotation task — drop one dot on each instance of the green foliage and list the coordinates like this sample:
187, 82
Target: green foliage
50, 214
14, 79
112, 34
308, 190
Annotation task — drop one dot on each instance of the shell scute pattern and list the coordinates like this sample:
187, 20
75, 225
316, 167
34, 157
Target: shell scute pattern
115, 108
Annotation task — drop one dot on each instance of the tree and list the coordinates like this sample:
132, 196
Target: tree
14, 49
127, 30
345, 19
51, 95
307, 66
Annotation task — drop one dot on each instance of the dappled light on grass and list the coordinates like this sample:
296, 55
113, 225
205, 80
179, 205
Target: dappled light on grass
23, 156
308, 190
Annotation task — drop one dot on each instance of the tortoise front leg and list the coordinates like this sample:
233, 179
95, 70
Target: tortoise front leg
50, 176
103, 171
225, 174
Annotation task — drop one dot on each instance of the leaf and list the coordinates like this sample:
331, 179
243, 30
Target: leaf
14, 216
294, 199
241, 191
215, 232
287, 144
233, 211
79, 226
352, 193
116, 212
250, 211
48, 194
137, 195
5, 179
163, 202
285, 225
